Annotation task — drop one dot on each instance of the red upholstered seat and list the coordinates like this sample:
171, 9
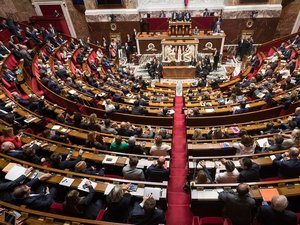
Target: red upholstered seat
56, 208
211, 221
101, 214
196, 220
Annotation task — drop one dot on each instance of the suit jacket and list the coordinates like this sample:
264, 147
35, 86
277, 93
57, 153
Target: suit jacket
39, 201
156, 173
7, 187
266, 215
287, 168
118, 211
139, 217
250, 175
133, 173
237, 208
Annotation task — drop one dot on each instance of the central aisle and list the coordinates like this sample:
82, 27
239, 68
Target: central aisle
178, 211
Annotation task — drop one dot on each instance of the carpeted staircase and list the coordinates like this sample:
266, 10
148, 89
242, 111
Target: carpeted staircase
178, 212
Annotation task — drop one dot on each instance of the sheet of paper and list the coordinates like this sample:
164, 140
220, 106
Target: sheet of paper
209, 110
154, 192
108, 189
208, 194
139, 192
56, 127
15, 172
30, 120
263, 142
66, 181
272, 157
80, 186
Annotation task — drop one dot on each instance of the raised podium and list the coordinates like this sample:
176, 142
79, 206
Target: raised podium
180, 28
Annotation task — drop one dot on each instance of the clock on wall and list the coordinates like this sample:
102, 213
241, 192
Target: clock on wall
113, 26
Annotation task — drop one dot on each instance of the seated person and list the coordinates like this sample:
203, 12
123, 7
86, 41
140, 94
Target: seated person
158, 172
130, 171
82, 207
118, 204
40, 199
246, 146
118, 145
56, 161
146, 213
203, 175
229, 176
288, 164
249, 172
276, 213
159, 147
81, 167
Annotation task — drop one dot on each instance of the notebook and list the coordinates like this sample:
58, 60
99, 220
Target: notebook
268, 193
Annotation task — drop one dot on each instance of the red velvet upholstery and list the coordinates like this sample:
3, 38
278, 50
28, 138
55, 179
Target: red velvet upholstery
101, 214
196, 220
56, 208
211, 221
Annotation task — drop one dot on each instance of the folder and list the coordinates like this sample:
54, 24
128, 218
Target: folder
268, 193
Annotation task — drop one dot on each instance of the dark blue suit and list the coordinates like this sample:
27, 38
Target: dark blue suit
139, 217
268, 216
287, 168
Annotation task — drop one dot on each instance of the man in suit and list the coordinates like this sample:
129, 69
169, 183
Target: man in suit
180, 16
137, 109
162, 14
157, 171
205, 13
130, 171
249, 172
242, 108
7, 187
146, 213
174, 16
8, 75
276, 213
238, 205
41, 199
288, 164
188, 16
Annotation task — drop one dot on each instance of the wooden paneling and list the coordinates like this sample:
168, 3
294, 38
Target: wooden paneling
264, 29
100, 29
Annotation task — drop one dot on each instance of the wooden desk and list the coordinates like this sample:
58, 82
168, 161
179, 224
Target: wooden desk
178, 72
144, 40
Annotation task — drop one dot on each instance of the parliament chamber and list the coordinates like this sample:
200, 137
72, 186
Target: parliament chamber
150, 112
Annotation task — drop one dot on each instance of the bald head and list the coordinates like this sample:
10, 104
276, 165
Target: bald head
242, 189
279, 203
297, 111
131, 141
161, 161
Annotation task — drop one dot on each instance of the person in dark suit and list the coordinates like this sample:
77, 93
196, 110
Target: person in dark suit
118, 204
187, 16
57, 162
137, 109
158, 70
174, 16
180, 16
249, 172
238, 205
41, 199
288, 164
242, 108
157, 171
145, 213
6, 188
276, 213
162, 14
205, 13
82, 207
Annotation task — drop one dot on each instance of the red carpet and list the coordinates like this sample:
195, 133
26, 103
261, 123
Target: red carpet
178, 211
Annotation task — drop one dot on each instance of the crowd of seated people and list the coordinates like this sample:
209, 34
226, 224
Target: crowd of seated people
119, 197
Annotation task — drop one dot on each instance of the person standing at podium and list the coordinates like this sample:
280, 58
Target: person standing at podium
180, 16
